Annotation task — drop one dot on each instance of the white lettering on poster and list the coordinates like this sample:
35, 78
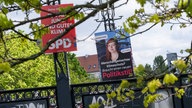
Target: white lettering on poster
30, 105
58, 31
108, 104
65, 43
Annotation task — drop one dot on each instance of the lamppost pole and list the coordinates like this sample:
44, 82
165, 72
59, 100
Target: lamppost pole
108, 15
62, 79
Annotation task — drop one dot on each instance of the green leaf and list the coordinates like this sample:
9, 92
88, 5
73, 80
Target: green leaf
5, 66
111, 95
124, 84
181, 65
169, 79
5, 10
140, 70
94, 105
144, 90
154, 18
130, 94
141, 2
179, 92
154, 85
183, 4
65, 9
5, 22
38, 30
148, 99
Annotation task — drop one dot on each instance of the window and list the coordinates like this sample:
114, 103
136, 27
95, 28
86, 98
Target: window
89, 67
94, 66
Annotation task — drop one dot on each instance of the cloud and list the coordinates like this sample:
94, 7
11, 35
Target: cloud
87, 47
159, 41
146, 46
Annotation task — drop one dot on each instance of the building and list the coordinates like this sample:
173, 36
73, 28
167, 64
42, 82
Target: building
91, 65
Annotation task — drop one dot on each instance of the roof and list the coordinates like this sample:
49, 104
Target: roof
89, 62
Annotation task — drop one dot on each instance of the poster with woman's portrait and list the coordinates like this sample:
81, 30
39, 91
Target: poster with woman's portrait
114, 54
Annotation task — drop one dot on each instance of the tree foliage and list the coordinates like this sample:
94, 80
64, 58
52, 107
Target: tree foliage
22, 60
35, 73
162, 12
152, 80
77, 73
159, 65
35, 29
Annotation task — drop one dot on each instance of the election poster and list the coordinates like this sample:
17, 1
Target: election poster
56, 27
114, 54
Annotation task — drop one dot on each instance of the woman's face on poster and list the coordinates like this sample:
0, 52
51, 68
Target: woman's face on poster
111, 47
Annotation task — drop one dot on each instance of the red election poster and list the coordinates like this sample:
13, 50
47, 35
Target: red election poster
67, 42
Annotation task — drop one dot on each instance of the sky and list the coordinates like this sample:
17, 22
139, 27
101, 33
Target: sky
145, 46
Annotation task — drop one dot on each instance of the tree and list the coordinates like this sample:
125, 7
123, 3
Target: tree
77, 73
148, 69
16, 63
39, 72
159, 65
163, 12
80, 12
33, 73
154, 81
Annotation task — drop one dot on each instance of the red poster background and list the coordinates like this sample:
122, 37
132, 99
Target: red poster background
61, 45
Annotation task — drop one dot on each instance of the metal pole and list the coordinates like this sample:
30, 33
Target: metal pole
63, 88
182, 100
67, 67
55, 65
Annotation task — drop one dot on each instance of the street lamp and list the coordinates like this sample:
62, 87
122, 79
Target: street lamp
108, 15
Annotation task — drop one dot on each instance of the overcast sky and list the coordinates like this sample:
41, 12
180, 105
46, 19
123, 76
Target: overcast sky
157, 41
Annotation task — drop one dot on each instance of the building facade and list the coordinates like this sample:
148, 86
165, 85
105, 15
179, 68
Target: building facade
91, 65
